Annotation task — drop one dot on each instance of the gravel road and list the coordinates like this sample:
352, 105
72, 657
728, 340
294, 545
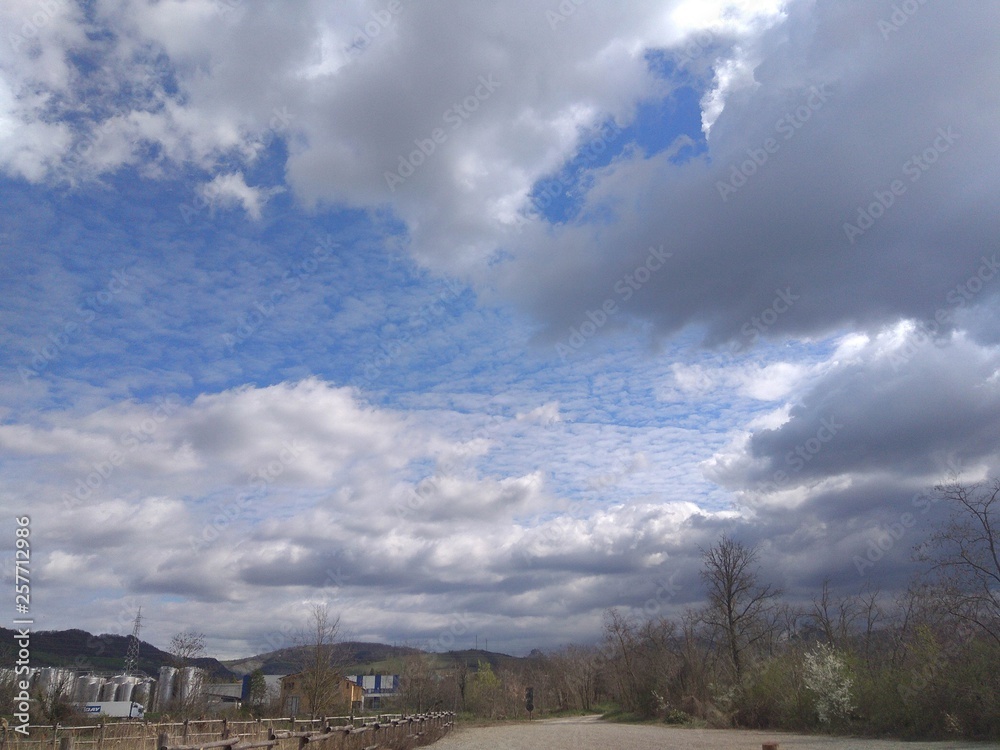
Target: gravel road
590, 733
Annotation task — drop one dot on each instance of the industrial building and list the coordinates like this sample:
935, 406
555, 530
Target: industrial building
376, 687
174, 686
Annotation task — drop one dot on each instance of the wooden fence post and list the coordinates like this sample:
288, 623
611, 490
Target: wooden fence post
162, 741
66, 743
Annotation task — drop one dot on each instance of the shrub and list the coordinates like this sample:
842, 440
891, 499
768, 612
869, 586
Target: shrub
829, 679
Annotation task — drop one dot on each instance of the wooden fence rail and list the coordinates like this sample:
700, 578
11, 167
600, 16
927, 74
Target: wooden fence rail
337, 733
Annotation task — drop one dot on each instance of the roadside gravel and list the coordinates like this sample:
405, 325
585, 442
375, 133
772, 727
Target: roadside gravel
590, 733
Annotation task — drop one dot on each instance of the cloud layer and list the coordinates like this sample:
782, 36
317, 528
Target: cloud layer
479, 321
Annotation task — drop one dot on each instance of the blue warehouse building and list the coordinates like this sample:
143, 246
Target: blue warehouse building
376, 687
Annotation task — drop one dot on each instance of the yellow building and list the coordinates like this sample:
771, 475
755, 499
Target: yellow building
295, 702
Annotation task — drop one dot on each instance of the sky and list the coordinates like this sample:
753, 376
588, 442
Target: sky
474, 320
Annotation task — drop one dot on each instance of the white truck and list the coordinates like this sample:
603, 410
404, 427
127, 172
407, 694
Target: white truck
118, 709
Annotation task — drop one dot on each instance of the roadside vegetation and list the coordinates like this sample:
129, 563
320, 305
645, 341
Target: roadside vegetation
921, 664
918, 665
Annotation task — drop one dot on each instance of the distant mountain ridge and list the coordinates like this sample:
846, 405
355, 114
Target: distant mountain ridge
350, 654
105, 654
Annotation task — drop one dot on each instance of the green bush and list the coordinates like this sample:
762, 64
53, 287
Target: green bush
772, 695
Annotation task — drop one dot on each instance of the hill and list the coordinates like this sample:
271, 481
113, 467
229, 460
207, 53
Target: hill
78, 649
356, 656
366, 658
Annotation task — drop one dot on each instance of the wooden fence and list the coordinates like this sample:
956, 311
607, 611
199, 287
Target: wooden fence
338, 732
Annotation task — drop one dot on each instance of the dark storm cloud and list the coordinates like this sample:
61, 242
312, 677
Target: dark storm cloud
887, 414
840, 118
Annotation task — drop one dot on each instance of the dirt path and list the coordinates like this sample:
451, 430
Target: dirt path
589, 733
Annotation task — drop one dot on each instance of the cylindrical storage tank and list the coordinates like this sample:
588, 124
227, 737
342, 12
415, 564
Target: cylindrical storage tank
88, 689
183, 688
143, 690
125, 687
165, 687
190, 683
107, 692
45, 680
65, 682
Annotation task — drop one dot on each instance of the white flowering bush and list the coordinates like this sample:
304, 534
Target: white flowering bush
828, 677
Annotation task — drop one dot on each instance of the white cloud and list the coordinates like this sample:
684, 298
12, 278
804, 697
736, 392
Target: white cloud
544, 414
232, 189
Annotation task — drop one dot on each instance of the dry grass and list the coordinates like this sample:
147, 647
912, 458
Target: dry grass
143, 735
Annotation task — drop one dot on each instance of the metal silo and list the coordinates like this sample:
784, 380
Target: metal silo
107, 691
189, 683
125, 687
142, 692
165, 687
88, 689
44, 680
66, 682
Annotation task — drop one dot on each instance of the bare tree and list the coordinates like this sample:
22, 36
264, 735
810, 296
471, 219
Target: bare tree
572, 672
740, 609
53, 704
321, 674
964, 557
582, 665
186, 647
835, 619
621, 644
417, 685
461, 682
